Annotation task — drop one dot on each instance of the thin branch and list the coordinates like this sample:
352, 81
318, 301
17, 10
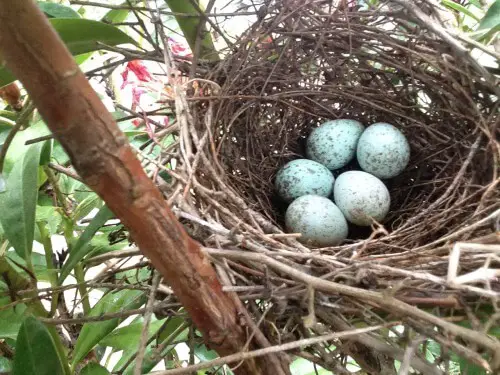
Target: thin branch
160, 308
445, 35
147, 320
272, 349
385, 301
67, 171
146, 9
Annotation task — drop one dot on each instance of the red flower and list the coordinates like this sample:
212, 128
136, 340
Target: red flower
140, 71
179, 49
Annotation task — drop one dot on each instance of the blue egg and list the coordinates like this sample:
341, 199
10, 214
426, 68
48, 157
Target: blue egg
301, 177
361, 196
318, 219
333, 144
383, 150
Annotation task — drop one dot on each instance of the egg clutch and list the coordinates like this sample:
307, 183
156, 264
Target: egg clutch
320, 205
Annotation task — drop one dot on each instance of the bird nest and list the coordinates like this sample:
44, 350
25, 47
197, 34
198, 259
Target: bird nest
429, 274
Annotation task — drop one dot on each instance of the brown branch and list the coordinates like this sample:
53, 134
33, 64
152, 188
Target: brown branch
102, 156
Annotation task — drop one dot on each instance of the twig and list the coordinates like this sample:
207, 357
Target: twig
146, 9
409, 354
147, 320
391, 304
443, 33
378, 345
39, 139
121, 314
124, 253
272, 349
67, 171
491, 217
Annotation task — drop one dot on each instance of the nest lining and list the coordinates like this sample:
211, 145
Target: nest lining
372, 66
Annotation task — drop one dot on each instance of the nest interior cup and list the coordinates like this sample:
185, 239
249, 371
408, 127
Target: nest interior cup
316, 66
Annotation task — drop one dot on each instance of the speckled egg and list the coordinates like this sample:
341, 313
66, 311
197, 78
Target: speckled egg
301, 177
318, 219
383, 150
333, 144
361, 196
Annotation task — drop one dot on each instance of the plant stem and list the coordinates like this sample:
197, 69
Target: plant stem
47, 246
82, 289
59, 195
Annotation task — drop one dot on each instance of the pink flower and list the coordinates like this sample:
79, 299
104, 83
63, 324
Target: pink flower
137, 91
179, 49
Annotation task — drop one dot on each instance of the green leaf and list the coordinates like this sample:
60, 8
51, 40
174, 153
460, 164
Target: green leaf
134, 276
92, 333
10, 115
116, 16
151, 359
80, 59
126, 357
18, 202
5, 366
86, 206
459, 8
46, 152
82, 247
82, 191
18, 147
127, 338
203, 353
94, 369
69, 185
172, 330
50, 215
80, 36
433, 350
100, 245
469, 368
476, 3
11, 319
36, 352
189, 27
302, 366
119, 15
17, 278
491, 19
37, 261
53, 10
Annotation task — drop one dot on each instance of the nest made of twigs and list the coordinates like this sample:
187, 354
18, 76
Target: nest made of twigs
300, 64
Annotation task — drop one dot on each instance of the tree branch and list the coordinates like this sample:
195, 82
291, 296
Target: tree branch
102, 156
